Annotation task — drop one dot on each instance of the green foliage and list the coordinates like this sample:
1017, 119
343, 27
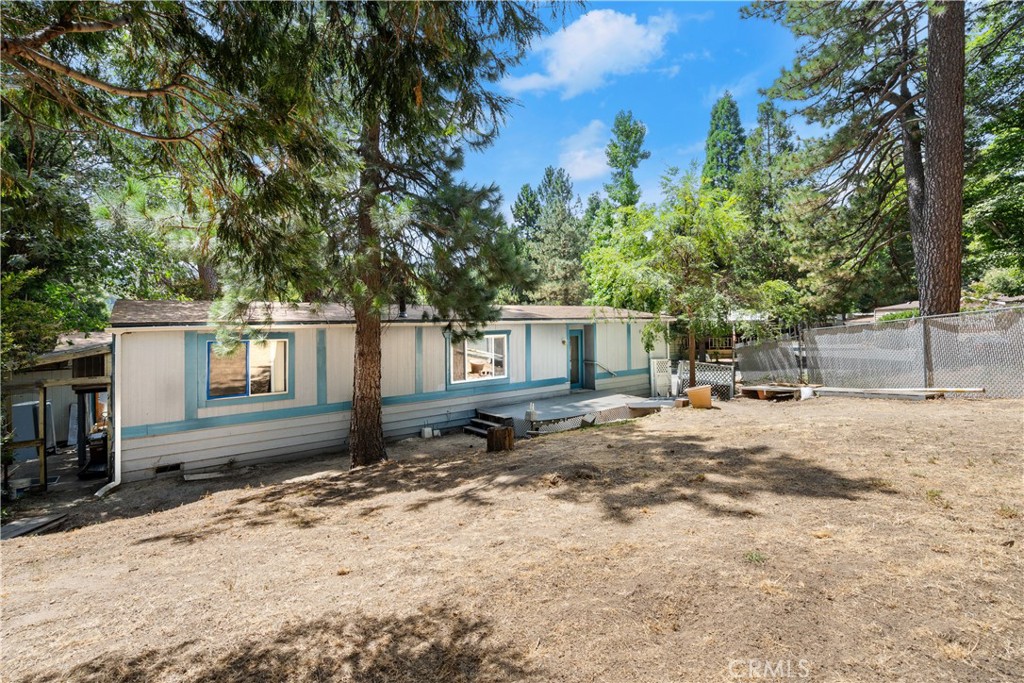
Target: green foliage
678, 256
625, 152
761, 185
526, 213
857, 73
559, 242
997, 281
723, 149
222, 89
994, 184
59, 264
900, 315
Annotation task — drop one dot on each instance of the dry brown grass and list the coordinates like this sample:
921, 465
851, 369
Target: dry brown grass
661, 549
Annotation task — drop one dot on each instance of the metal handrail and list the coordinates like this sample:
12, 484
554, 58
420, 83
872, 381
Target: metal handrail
606, 369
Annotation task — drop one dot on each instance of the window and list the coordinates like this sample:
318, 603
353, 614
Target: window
252, 369
474, 360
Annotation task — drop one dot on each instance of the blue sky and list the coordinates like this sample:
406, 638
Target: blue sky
667, 62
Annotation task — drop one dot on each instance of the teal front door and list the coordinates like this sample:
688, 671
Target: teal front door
576, 359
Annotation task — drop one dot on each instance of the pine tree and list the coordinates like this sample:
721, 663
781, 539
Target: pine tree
625, 152
723, 149
761, 185
860, 71
526, 213
560, 242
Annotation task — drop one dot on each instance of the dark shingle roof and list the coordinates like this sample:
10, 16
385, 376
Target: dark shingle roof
129, 313
76, 345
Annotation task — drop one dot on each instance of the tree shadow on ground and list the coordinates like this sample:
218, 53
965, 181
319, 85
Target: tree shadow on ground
625, 471
435, 644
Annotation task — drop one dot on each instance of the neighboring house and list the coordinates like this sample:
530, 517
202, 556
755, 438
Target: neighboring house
179, 404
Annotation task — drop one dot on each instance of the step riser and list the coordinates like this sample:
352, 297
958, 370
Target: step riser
496, 419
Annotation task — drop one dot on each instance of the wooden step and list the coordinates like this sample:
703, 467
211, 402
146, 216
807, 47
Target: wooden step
493, 419
475, 431
486, 424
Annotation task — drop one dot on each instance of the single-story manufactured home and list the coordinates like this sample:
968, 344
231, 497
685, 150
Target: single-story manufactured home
180, 403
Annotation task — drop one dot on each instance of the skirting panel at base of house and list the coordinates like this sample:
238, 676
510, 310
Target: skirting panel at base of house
240, 444
277, 439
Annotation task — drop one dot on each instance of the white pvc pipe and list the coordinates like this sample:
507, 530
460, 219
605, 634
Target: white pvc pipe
115, 396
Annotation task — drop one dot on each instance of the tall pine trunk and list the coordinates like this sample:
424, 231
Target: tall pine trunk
938, 263
366, 435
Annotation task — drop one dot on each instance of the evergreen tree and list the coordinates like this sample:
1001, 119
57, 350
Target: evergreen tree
526, 212
860, 72
723, 149
994, 191
761, 186
561, 240
329, 134
625, 152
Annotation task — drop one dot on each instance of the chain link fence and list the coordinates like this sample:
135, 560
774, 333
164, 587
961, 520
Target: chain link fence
774, 361
973, 349
875, 356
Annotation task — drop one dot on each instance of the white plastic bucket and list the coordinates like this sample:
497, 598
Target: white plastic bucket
806, 393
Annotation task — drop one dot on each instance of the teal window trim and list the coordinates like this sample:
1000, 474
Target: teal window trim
199, 387
449, 385
321, 367
529, 353
418, 382
439, 398
629, 346
574, 337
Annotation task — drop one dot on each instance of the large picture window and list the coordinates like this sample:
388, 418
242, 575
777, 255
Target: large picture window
474, 360
252, 369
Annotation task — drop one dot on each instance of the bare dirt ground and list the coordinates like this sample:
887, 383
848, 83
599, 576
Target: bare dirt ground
833, 539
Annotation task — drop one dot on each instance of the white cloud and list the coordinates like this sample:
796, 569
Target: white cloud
738, 89
700, 18
583, 154
600, 44
704, 55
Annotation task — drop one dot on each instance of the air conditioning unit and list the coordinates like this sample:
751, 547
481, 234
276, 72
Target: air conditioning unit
661, 377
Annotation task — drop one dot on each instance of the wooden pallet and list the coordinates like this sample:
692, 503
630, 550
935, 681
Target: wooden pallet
769, 392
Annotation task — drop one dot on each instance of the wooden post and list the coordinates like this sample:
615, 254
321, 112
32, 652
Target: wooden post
693, 356
501, 439
41, 435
